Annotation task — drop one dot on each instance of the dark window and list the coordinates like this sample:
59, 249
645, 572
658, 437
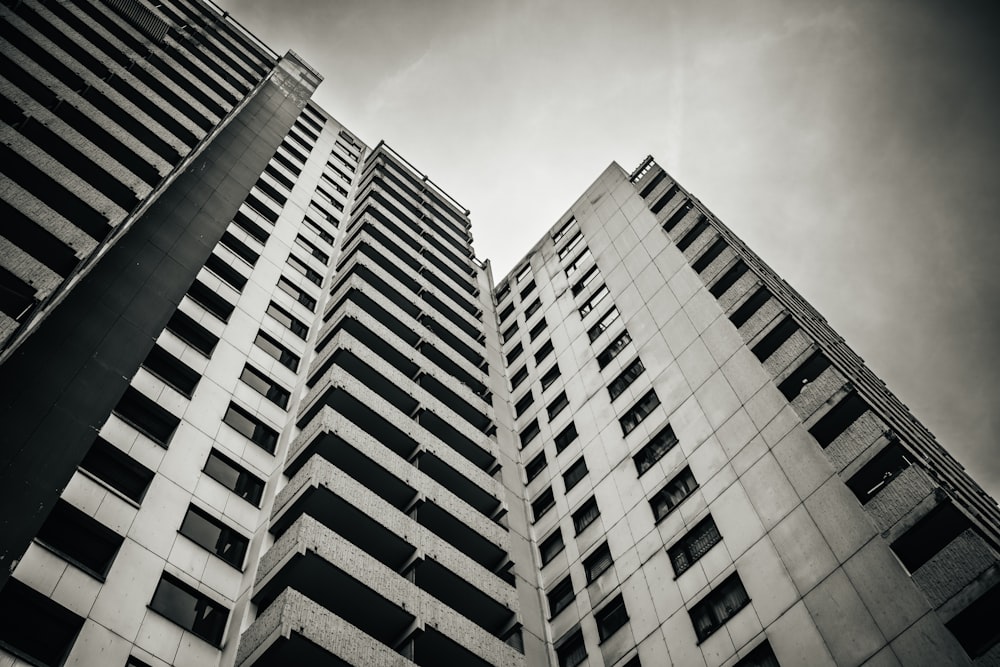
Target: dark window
612, 617
592, 274
976, 627
80, 539
535, 466
276, 350
718, 607
580, 260
575, 473
146, 416
227, 273
34, 627
523, 403
542, 504
613, 349
311, 248
297, 293
509, 332
838, 419
523, 274
311, 274
602, 325
638, 412
709, 255
808, 371
729, 278
532, 308
694, 545
882, 469
549, 377
664, 199
249, 226
655, 449
189, 609
651, 184
184, 327
215, 536
557, 405
570, 246
17, 298
594, 299
560, 597
537, 330
507, 312
136, 662
673, 494
117, 469
529, 432
559, 235
775, 338
551, 546
235, 478
677, 216
572, 651
239, 248
544, 351
210, 300
762, 656
518, 377
586, 515
271, 390
317, 227
503, 291
251, 427
171, 370
692, 234
514, 353
624, 379
293, 324
527, 290
597, 562
930, 535
565, 437
749, 307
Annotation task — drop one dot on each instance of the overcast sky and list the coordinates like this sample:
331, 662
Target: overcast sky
853, 145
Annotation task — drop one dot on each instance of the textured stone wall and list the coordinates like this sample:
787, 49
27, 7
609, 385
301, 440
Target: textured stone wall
954, 567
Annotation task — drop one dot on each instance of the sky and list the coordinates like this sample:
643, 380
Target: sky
853, 145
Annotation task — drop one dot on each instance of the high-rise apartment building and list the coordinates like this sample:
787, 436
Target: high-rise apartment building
264, 406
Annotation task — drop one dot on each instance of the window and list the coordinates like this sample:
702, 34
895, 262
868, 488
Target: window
586, 515
611, 618
535, 466
664, 199
930, 535
729, 278
244, 222
718, 607
571, 651
655, 449
503, 291
597, 562
189, 609
808, 371
557, 405
35, 627
184, 327
518, 377
542, 504
762, 656
613, 349
624, 379
692, 235
214, 536
80, 539
775, 338
838, 419
317, 227
529, 432
706, 258
514, 353
561, 233
146, 416
293, 324
638, 412
575, 473
136, 662
117, 469
523, 274
537, 330
544, 351
580, 260
270, 389
239, 248
532, 308
594, 299
227, 273
507, 312
560, 597
311, 274
234, 477
550, 376
673, 494
602, 324
551, 546
276, 350
171, 370
523, 403
297, 293
509, 332
17, 298
565, 437
882, 469
651, 184
571, 246
529, 288
694, 545
749, 307
592, 274
251, 427
312, 249
975, 627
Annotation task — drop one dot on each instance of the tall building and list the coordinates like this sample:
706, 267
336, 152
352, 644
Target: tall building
263, 405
